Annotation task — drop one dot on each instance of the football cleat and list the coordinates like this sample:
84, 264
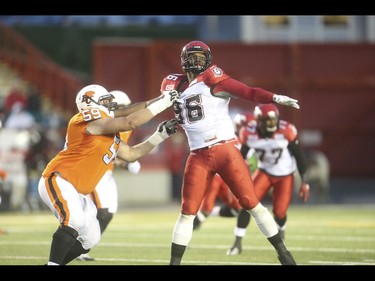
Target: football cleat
235, 250
85, 257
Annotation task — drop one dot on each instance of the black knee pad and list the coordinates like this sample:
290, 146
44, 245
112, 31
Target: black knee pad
104, 217
66, 233
243, 219
63, 240
280, 221
227, 212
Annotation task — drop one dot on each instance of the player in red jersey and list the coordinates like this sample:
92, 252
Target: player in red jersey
279, 154
202, 110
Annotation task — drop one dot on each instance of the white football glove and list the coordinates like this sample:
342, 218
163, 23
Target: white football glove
167, 99
285, 100
134, 167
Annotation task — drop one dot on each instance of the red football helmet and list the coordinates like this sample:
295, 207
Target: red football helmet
195, 65
267, 116
242, 119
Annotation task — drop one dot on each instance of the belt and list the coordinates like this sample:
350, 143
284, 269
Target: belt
216, 143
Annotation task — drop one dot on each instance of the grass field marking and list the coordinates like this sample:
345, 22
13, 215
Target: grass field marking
146, 261
341, 263
202, 246
195, 262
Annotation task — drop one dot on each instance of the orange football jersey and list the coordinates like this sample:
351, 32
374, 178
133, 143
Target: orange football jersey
85, 158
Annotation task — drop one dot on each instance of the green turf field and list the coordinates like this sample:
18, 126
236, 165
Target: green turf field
316, 235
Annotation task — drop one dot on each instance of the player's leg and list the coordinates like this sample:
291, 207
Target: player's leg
236, 175
105, 198
261, 186
193, 191
282, 195
65, 203
243, 220
208, 203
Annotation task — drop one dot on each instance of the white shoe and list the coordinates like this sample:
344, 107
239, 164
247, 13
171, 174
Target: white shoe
84, 257
234, 251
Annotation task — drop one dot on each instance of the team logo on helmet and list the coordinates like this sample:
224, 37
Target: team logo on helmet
87, 97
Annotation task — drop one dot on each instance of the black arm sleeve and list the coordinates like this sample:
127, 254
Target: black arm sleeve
244, 150
297, 152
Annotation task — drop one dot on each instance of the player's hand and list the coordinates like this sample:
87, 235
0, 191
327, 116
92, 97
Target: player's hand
168, 128
134, 167
304, 192
164, 131
174, 95
285, 100
170, 98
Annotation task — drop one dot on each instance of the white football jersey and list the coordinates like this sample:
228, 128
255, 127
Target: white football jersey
205, 118
273, 153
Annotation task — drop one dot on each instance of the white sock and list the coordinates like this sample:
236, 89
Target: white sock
264, 220
183, 229
240, 232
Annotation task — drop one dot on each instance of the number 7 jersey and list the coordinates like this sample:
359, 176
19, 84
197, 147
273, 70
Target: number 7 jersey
273, 154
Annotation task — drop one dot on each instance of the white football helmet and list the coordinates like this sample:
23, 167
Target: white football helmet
121, 98
94, 96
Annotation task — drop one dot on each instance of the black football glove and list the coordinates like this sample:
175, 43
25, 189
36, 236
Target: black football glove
168, 127
163, 131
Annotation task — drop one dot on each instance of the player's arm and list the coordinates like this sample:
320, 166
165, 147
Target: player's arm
242, 137
127, 110
156, 105
244, 150
135, 152
255, 94
295, 149
103, 126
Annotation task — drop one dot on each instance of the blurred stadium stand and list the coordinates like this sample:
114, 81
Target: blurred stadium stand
354, 183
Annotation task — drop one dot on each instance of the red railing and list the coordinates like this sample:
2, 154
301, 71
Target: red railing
40, 71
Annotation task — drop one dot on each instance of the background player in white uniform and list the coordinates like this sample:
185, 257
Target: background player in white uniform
277, 146
202, 110
105, 195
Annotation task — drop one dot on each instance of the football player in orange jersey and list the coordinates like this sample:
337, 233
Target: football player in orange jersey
105, 196
92, 143
276, 144
202, 110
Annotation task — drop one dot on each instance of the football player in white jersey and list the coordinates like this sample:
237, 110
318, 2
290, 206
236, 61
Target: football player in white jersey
105, 196
202, 110
279, 154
